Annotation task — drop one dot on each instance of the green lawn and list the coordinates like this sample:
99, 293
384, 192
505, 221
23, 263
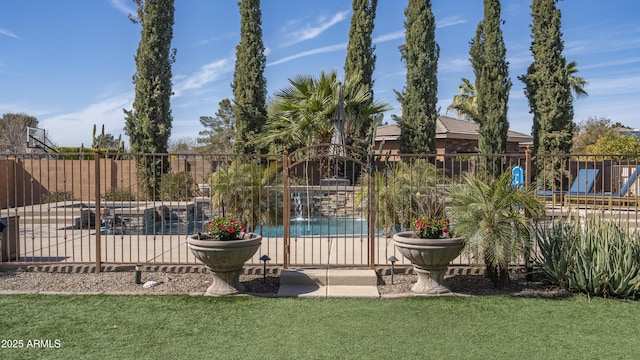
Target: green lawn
183, 327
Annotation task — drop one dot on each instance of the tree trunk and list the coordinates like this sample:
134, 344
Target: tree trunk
498, 276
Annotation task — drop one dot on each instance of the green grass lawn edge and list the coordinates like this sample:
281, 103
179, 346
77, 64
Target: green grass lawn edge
168, 326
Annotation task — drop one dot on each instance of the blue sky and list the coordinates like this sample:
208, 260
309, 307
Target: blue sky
70, 62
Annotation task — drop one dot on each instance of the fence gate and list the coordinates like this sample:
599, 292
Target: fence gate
327, 204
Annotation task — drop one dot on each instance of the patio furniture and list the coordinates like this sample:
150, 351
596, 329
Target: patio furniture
582, 185
624, 197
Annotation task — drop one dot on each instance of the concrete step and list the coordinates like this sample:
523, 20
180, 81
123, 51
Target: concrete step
328, 283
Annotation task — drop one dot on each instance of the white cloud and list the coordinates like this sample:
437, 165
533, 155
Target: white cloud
73, 129
9, 34
325, 49
456, 65
109, 111
311, 32
612, 63
205, 75
449, 21
607, 86
123, 6
389, 37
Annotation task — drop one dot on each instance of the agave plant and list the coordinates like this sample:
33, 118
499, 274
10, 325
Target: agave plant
495, 219
591, 255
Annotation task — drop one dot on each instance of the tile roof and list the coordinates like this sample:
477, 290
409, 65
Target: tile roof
449, 128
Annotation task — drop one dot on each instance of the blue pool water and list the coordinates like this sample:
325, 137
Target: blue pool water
318, 227
299, 228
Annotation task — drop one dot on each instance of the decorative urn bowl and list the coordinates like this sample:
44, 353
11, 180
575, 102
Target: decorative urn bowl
430, 258
225, 259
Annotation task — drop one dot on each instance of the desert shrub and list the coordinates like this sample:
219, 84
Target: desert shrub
119, 194
58, 196
594, 256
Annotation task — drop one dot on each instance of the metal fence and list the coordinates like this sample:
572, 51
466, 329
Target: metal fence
313, 207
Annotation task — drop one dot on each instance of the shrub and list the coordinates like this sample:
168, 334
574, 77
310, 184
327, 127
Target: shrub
177, 186
119, 194
597, 257
58, 196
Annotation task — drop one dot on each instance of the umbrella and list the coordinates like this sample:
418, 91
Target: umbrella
339, 116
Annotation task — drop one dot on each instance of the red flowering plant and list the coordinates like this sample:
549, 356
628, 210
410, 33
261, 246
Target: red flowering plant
428, 228
434, 224
223, 228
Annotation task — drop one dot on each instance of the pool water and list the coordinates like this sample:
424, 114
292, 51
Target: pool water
176, 227
323, 226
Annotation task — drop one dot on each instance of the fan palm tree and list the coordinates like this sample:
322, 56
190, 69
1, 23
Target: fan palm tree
576, 83
465, 102
301, 113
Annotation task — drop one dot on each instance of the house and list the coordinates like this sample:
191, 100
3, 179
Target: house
453, 136
634, 132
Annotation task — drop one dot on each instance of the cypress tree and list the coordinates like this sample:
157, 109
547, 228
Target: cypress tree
249, 84
549, 92
360, 64
488, 59
420, 54
148, 125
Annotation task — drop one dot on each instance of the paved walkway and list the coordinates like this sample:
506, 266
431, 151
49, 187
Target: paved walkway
328, 283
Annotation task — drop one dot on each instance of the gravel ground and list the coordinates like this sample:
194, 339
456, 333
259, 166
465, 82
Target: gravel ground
197, 283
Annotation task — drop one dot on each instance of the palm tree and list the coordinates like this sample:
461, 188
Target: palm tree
494, 218
576, 83
301, 113
465, 102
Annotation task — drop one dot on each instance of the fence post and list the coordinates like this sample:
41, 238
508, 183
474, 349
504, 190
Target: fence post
98, 211
286, 209
371, 221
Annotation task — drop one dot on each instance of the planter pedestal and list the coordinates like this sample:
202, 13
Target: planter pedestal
225, 259
225, 283
430, 258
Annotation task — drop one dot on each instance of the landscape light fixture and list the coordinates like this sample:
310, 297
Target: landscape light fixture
138, 273
264, 259
392, 259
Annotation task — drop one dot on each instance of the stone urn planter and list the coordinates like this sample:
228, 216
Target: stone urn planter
225, 259
430, 258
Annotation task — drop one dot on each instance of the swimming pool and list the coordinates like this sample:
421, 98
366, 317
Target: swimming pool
322, 226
